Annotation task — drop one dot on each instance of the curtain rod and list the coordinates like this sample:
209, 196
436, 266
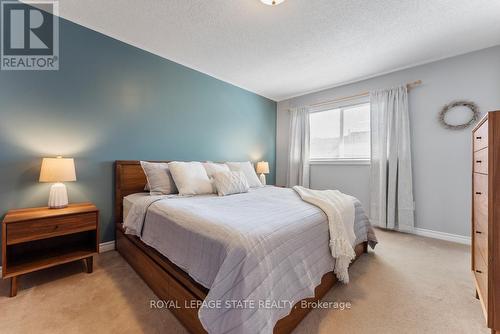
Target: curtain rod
408, 85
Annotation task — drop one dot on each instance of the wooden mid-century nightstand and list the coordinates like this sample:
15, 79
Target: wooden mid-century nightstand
39, 238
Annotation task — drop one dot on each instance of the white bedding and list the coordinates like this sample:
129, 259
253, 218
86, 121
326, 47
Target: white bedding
339, 208
129, 200
264, 245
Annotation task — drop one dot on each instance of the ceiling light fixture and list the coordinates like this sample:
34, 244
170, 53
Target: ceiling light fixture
272, 2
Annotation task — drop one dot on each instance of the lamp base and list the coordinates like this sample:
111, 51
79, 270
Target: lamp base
58, 197
262, 178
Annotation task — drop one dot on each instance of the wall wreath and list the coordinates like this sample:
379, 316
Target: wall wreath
470, 105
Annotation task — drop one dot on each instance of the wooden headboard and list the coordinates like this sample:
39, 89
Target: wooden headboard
129, 179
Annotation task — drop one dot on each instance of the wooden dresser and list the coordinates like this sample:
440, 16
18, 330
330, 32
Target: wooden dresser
486, 216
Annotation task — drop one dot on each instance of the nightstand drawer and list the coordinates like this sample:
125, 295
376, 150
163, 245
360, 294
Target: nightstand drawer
50, 227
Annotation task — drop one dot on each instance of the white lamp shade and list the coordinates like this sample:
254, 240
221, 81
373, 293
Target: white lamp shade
57, 170
262, 167
272, 2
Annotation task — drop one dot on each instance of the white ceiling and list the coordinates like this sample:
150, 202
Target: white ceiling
299, 46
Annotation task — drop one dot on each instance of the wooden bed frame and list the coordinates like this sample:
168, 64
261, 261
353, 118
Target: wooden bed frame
168, 281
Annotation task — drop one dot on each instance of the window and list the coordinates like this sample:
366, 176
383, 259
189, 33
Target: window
340, 134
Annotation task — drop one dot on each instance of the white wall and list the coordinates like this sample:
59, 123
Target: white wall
441, 158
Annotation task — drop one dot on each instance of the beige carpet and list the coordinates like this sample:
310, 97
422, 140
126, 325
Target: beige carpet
408, 285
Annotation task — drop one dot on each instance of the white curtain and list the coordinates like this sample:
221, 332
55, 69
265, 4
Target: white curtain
298, 150
391, 185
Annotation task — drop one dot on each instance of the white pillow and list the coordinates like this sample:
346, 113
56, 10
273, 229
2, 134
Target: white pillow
212, 168
228, 183
248, 170
190, 178
160, 180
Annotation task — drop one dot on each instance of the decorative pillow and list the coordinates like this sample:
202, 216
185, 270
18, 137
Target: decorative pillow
228, 183
160, 180
212, 168
190, 178
248, 170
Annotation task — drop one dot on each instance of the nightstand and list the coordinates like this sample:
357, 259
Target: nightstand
39, 238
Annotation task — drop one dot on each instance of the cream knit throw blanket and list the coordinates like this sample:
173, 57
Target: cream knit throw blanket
339, 209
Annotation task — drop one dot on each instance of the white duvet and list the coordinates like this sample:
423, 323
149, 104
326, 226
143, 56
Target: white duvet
258, 253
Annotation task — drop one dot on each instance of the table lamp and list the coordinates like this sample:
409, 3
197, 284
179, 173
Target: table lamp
262, 169
58, 170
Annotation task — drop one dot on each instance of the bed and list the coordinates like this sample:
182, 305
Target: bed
199, 255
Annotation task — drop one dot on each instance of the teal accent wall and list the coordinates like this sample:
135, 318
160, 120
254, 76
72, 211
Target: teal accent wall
111, 101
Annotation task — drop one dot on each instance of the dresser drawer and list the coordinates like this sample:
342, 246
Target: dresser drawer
480, 138
481, 161
481, 274
50, 227
480, 202
481, 244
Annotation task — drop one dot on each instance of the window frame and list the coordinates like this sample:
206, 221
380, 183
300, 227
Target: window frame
342, 107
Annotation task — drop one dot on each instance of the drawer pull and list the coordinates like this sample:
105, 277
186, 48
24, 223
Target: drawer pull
478, 161
478, 193
479, 232
479, 138
479, 271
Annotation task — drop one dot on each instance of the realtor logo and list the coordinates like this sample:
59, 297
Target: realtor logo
30, 35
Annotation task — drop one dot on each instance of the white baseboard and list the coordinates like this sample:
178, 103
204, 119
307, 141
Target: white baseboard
103, 247
107, 246
442, 236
